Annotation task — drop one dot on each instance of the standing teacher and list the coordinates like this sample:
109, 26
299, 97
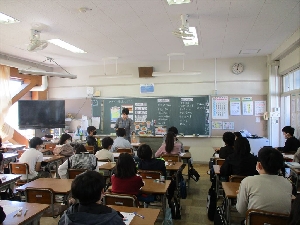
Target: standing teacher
126, 123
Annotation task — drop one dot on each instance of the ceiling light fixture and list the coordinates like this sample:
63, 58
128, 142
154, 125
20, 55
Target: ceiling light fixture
116, 75
66, 46
177, 2
193, 40
49, 74
5, 19
179, 73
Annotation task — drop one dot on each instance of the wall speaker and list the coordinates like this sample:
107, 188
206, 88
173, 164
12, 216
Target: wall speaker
145, 71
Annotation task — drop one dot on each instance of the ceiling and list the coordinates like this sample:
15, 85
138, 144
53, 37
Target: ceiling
140, 31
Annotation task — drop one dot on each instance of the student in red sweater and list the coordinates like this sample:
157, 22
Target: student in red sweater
125, 180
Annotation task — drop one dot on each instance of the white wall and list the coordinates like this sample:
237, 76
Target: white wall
253, 81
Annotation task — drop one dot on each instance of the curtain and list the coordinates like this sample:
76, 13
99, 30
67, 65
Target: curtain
6, 131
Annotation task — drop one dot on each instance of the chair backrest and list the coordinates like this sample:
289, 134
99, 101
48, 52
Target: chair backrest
50, 146
72, 173
89, 148
39, 195
261, 217
120, 199
236, 178
123, 150
220, 162
149, 174
19, 168
171, 157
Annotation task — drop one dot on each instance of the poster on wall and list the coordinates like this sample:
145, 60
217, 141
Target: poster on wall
260, 108
141, 112
146, 88
114, 113
220, 107
228, 125
217, 125
247, 106
235, 106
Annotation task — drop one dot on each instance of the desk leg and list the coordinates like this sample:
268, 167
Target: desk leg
56, 169
164, 204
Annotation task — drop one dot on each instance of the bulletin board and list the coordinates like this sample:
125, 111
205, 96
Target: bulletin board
238, 112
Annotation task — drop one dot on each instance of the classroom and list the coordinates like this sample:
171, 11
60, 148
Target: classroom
131, 45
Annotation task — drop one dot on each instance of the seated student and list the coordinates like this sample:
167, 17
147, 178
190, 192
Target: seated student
170, 146
144, 152
175, 131
90, 139
88, 189
237, 134
125, 180
81, 160
64, 147
120, 141
228, 138
266, 191
291, 143
241, 161
33, 157
104, 153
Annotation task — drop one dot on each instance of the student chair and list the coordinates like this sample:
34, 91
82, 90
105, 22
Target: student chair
120, 199
220, 161
171, 157
72, 173
149, 174
89, 148
124, 150
236, 178
261, 217
45, 196
19, 168
50, 146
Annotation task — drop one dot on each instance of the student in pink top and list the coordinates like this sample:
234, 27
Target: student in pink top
170, 146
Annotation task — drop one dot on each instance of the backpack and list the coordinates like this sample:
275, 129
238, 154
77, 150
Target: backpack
171, 189
182, 187
211, 203
193, 174
175, 208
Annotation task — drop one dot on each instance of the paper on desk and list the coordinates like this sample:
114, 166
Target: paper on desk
8, 209
101, 163
46, 158
116, 154
128, 217
182, 154
217, 156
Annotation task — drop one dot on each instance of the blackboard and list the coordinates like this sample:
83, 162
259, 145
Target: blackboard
189, 114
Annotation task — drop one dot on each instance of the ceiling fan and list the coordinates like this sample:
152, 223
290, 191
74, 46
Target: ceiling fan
183, 31
36, 43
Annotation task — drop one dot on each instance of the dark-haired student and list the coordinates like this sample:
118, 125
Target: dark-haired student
120, 141
144, 152
266, 191
241, 161
125, 122
170, 146
291, 143
81, 160
33, 157
237, 134
228, 138
64, 147
90, 139
175, 131
105, 153
125, 180
88, 188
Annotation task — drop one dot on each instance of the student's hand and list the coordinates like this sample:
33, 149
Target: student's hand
237, 191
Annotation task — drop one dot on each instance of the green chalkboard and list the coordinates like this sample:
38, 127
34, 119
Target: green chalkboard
189, 114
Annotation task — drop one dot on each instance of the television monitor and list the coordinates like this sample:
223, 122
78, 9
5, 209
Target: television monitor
36, 114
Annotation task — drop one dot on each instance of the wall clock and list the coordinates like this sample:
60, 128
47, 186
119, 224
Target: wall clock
237, 68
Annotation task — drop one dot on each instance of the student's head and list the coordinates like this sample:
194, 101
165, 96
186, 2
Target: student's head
125, 166
237, 134
228, 138
107, 142
170, 138
65, 139
121, 132
270, 159
288, 131
144, 152
242, 146
174, 130
91, 130
36, 142
88, 187
125, 112
79, 148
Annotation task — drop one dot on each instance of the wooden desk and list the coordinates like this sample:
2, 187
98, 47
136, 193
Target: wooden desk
173, 166
7, 158
53, 159
59, 186
116, 155
186, 148
13, 148
230, 189
150, 215
186, 156
136, 145
107, 166
7, 180
33, 215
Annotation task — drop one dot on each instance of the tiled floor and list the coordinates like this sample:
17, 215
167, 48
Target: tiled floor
193, 207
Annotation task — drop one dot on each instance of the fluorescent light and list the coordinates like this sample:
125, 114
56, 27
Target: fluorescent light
177, 2
111, 76
50, 74
66, 46
183, 73
191, 40
5, 19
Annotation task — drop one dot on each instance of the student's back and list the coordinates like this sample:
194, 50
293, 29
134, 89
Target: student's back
153, 164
